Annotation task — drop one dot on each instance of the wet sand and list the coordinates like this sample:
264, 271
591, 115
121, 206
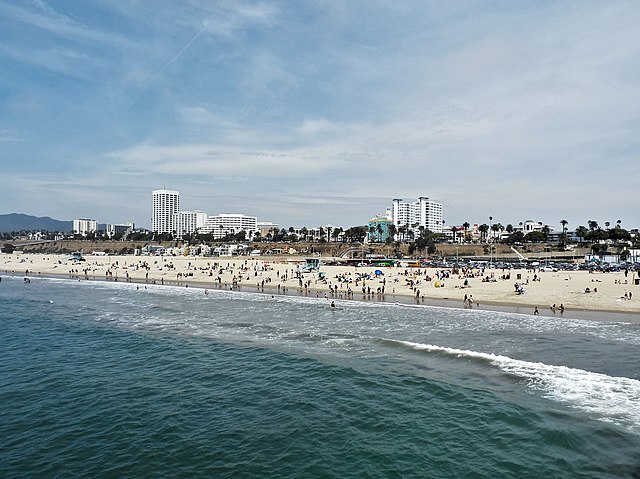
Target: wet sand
489, 289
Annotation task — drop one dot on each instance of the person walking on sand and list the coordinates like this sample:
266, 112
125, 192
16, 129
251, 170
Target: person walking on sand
536, 312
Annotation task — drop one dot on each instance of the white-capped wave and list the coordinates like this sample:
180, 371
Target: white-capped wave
608, 398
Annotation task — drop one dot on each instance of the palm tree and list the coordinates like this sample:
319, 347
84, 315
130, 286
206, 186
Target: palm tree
403, 232
483, 228
495, 228
393, 231
593, 225
581, 232
618, 223
564, 224
607, 224
466, 225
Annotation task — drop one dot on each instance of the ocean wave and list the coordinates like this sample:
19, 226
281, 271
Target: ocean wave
612, 399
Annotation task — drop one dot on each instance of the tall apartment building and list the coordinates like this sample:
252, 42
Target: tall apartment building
221, 225
84, 226
189, 222
423, 212
166, 203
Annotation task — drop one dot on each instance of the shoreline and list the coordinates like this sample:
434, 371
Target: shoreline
404, 295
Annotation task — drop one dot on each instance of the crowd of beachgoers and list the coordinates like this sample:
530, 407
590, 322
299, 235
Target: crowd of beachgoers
540, 288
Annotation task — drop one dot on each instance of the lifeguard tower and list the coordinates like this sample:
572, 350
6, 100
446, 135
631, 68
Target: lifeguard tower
310, 265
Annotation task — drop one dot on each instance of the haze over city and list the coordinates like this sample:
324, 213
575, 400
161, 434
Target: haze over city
321, 112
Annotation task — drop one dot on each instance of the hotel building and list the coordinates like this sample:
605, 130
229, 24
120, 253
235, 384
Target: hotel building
423, 212
223, 224
379, 229
166, 203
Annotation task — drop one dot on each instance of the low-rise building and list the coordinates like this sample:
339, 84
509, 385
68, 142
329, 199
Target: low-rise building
267, 227
224, 224
121, 229
379, 229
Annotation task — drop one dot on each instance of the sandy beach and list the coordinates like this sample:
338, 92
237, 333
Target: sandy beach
576, 291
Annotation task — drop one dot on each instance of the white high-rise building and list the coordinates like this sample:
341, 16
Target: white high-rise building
189, 222
423, 212
166, 203
84, 226
221, 225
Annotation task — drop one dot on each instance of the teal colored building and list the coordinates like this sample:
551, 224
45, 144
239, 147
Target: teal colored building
379, 229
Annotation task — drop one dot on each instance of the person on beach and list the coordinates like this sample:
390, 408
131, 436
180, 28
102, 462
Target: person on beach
535, 311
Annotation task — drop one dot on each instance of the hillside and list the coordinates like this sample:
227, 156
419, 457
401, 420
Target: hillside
19, 222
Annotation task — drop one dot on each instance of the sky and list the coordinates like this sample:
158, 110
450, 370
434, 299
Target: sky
316, 112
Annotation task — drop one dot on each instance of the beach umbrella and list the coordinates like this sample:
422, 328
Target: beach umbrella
378, 272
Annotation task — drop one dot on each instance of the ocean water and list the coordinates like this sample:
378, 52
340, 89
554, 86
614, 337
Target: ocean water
117, 380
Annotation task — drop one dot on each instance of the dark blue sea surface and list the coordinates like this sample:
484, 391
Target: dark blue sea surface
103, 379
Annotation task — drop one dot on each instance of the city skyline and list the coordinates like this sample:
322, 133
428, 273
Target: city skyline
320, 113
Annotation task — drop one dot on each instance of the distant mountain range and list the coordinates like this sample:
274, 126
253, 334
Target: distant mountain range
19, 222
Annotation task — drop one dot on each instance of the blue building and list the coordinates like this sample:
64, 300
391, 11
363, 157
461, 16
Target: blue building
379, 229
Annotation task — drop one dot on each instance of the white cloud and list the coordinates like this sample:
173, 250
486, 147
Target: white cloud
226, 20
209, 160
10, 136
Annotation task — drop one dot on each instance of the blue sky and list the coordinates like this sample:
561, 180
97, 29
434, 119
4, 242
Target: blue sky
321, 112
